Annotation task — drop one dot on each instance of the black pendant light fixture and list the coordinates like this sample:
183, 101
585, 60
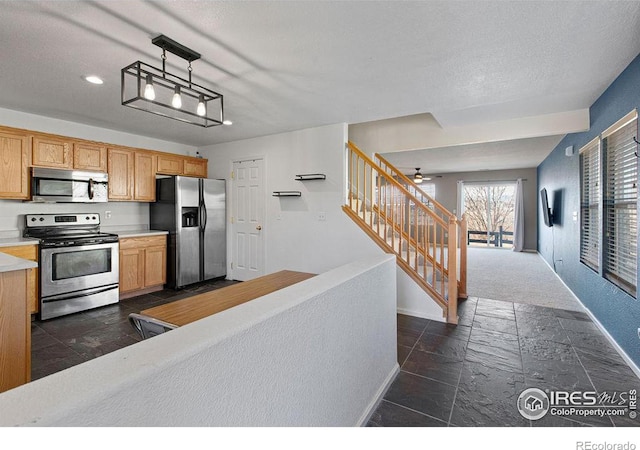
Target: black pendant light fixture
159, 92
417, 177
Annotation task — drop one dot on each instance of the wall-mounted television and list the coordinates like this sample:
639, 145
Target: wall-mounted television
546, 211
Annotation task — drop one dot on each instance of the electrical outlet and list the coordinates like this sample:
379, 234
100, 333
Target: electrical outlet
107, 214
322, 216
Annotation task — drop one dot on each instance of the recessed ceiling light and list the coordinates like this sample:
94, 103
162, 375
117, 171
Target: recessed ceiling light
94, 79
227, 122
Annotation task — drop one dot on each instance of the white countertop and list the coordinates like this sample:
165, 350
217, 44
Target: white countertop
11, 242
10, 263
138, 233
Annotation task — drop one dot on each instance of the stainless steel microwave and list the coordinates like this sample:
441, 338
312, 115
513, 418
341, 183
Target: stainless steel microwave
68, 186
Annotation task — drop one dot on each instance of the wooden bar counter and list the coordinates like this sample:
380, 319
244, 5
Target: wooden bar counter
182, 312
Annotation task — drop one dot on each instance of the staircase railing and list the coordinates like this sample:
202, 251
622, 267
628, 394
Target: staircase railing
424, 240
443, 212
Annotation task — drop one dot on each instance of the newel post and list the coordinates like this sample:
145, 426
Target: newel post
462, 287
452, 267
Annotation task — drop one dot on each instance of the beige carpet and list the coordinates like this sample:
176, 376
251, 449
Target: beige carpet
501, 274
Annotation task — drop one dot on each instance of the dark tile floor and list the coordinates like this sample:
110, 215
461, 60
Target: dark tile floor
60, 343
472, 374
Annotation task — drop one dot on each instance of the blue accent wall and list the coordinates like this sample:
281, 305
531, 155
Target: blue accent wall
618, 312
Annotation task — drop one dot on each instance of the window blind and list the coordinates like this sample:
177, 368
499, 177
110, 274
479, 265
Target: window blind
590, 204
620, 207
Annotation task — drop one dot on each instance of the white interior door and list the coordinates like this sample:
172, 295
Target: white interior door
248, 219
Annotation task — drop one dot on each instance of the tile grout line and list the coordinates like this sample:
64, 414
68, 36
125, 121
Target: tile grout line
455, 393
524, 377
583, 367
415, 411
415, 343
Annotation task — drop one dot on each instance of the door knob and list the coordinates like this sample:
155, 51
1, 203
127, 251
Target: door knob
259, 227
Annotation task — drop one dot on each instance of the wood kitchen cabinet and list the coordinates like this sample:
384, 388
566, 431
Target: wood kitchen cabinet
88, 156
15, 159
143, 265
132, 171
29, 252
170, 164
132, 175
120, 171
15, 331
144, 177
50, 151
195, 167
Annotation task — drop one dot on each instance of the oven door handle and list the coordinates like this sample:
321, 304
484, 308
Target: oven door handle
76, 295
90, 189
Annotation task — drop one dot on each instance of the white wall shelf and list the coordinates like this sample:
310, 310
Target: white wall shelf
311, 176
287, 194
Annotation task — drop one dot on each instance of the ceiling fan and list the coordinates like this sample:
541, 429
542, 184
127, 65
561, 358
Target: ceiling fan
417, 177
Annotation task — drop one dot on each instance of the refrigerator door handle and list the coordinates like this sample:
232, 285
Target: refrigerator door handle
203, 215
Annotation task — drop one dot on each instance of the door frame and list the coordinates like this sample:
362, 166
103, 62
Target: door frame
231, 247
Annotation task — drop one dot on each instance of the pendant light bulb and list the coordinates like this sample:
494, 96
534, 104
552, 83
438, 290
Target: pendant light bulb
201, 110
176, 101
149, 91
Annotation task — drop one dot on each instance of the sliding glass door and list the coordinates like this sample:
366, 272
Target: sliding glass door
490, 210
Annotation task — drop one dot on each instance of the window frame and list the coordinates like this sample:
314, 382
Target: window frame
590, 263
608, 218
617, 269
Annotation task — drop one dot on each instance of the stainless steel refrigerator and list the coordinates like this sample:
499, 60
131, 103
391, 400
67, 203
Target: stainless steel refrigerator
193, 211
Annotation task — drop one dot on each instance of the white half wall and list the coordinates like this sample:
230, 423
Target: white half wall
295, 238
319, 353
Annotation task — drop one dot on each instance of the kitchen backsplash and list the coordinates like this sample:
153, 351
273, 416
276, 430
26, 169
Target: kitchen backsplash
124, 215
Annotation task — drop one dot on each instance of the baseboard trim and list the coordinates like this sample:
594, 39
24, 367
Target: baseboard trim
373, 405
597, 323
422, 315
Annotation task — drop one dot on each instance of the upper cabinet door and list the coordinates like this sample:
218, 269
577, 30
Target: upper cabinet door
195, 167
87, 156
120, 170
170, 165
14, 165
52, 152
145, 177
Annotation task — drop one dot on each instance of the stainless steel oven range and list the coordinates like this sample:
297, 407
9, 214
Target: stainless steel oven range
79, 265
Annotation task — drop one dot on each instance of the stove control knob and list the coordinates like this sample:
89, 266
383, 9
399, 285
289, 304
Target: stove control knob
94, 217
41, 219
87, 217
33, 219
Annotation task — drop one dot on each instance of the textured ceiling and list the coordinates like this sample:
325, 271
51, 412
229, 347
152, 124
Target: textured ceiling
290, 65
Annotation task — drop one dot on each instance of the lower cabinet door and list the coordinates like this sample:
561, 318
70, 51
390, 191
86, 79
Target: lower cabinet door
15, 332
155, 266
131, 269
